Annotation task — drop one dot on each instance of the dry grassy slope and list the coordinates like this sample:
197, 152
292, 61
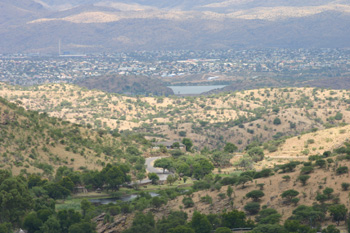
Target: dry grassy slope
324, 140
174, 114
27, 144
274, 187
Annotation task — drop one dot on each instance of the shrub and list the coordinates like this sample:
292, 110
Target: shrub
342, 170
321, 163
201, 185
188, 202
277, 121
306, 170
207, 199
345, 186
261, 186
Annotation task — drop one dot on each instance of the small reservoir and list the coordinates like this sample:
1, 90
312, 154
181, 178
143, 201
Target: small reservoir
194, 90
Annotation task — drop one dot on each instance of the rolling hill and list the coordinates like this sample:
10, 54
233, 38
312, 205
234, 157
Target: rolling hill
210, 121
31, 142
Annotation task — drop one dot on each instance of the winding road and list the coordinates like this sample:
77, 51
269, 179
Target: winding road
159, 171
151, 169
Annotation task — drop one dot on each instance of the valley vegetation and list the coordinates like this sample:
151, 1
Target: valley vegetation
268, 160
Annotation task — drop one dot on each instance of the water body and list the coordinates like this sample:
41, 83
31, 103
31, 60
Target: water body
194, 90
106, 201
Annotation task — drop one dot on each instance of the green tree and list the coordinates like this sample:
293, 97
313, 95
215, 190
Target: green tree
181, 229
188, 143
321, 163
229, 191
268, 216
200, 223
82, 227
330, 229
164, 163
234, 219
276, 121
114, 177
230, 147
143, 223
171, 179
56, 191
85, 206
321, 198
289, 194
175, 222
295, 226
67, 183
32, 223
67, 218
269, 228
140, 176
255, 195
256, 153
6, 227
201, 168
345, 186
342, 170
52, 225
153, 177
223, 230
132, 150
243, 180
308, 215
188, 202
252, 208
303, 179
157, 202
328, 192
338, 212
15, 199
338, 116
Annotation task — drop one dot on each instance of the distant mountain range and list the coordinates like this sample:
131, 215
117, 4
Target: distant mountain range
124, 25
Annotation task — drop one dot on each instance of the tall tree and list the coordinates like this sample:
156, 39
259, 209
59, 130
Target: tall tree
188, 143
15, 199
200, 223
164, 163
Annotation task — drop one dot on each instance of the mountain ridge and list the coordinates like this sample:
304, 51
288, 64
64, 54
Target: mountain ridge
99, 26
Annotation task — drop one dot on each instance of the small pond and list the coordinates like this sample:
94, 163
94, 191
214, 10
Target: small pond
106, 201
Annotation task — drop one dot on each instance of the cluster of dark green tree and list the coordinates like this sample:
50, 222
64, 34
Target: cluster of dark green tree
110, 177
267, 221
187, 166
26, 202
176, 222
